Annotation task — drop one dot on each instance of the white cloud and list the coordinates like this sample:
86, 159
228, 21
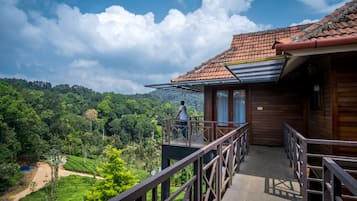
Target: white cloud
84, 63
117, 50
323, 6
305, 21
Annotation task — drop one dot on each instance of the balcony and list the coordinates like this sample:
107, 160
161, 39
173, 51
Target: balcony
223, 169
199, 132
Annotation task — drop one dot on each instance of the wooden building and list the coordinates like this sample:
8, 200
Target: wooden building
305, 75
293, 86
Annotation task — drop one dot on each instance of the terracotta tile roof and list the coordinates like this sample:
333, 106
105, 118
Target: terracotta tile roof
243, 47
340, 23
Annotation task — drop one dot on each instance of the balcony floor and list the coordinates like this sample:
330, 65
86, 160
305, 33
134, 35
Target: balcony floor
196, 140
264, 175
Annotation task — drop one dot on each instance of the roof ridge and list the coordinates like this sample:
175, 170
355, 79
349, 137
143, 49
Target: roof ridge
272, 30
330, 19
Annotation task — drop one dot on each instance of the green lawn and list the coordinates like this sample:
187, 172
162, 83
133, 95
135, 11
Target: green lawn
71, 188
77, 164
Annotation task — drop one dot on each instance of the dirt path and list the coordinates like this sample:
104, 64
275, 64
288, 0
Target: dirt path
43, 176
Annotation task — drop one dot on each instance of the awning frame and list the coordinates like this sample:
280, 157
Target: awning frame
263, 69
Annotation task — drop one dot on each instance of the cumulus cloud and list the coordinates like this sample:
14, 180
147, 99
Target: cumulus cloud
117, 50
305, 21
324, 6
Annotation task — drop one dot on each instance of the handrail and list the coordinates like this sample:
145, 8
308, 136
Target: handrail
236, 138
195, 131
334, 177
296, 146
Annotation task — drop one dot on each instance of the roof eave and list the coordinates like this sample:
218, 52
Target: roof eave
316, 43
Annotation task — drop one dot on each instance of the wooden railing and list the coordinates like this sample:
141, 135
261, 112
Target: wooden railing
297, 149
197, 131
335, 178
209, 180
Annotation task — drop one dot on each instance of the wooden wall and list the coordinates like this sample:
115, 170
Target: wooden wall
346, 96
280, 103
336, 74
319, 121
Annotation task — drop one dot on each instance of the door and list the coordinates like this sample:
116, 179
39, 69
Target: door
230, 110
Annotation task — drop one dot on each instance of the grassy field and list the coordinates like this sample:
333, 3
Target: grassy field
77, 164
71, 188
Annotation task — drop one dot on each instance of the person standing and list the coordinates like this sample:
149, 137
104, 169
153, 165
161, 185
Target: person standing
182, 114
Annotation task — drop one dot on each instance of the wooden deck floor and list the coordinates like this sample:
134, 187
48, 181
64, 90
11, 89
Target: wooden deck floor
265, 175
197, 141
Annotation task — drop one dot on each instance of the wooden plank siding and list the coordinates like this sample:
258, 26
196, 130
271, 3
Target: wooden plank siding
320, 120
346, 96
280, 104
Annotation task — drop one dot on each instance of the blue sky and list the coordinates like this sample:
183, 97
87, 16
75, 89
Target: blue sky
120, 45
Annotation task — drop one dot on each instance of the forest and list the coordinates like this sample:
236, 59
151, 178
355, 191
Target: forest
36, 117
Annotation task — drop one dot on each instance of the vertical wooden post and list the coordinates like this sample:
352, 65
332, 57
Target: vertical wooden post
304, 175
219, 172
154, 194
165, 186
189, 132
293, 141
168, 131
198, 170
246, 140
326, 196
238, 152
336, 186
230, 161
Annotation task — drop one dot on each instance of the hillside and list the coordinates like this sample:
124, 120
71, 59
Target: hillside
192, 99
36, 117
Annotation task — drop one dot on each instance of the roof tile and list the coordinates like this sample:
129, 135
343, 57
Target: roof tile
243, 47
340, 23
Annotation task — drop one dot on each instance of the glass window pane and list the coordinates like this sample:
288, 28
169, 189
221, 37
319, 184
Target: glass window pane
222, 107
238, 107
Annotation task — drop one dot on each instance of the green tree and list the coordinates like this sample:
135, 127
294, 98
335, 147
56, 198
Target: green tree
117, 178
9, 147
91, 115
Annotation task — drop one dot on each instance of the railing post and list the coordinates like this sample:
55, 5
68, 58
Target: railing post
154, 194
189, 132
168, 131
304, 175
293, 141
219, 172
230, 161
288, 143
238, 152
198, 171
165, 186
326, 180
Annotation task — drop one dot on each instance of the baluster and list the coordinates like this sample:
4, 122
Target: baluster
154, 194
230, 161
219, 172
238, 152
198, 172
304, 175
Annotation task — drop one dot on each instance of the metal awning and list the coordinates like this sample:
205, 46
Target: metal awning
258, 70
196, 85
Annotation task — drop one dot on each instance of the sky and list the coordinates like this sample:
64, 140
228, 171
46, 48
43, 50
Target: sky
121, 45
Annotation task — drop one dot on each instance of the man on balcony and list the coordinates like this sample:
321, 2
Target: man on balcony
182, 114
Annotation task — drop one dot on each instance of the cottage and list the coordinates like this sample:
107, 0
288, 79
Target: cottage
293, 86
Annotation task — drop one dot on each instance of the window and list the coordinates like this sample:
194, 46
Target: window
238, 107
222, 107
